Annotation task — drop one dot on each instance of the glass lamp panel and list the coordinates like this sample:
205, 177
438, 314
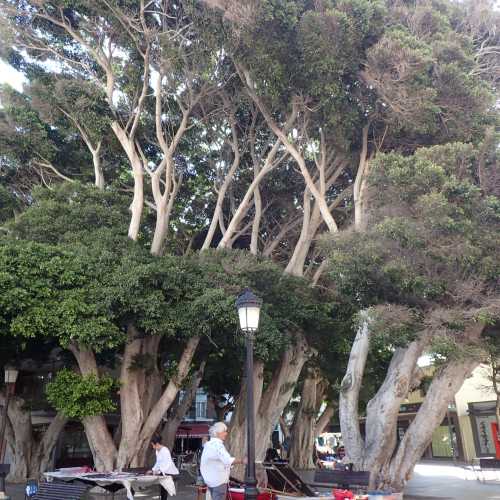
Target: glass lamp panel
10, 375
249, 318
253, 314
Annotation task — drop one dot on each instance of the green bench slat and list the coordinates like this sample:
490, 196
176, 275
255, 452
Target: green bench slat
341, 477
60, 491
489, 463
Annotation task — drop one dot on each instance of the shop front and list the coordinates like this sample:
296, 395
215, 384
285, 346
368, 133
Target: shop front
483, 422
446, 441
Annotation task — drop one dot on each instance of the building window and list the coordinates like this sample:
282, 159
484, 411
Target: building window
198, 411
441, 445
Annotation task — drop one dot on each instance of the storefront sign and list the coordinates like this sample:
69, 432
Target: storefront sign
494, 430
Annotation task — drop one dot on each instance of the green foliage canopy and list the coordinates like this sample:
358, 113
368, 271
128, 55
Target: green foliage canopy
429, 259
77, 396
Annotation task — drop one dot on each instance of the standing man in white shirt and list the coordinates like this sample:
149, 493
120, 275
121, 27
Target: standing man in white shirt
164, 464
215, 464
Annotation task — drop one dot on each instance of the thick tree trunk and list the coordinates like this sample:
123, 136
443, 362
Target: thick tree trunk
98, 435
164, 201
237, 439
383, 409
254, 240
372, 452
140, 415
303, 433
443, 388
43, 456
295, 265
389, 466
23, 440
137, 203
349, 392
150, 383
181, 408
269, 404
279, 392
307, 425
324, 419
159, 409
311, 222
161, 228
32, 454
130, 398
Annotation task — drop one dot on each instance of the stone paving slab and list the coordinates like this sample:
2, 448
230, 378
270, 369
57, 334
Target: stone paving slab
184, 492
445, 481
431, 481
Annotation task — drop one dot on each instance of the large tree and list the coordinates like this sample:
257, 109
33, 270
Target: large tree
98, 293
256, 124
429, 267
31, 447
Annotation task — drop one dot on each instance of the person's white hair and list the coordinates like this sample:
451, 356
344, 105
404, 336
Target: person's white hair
217, 428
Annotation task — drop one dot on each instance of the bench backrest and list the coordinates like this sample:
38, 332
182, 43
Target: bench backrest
136, 470
334, 477
489, 463
61, 491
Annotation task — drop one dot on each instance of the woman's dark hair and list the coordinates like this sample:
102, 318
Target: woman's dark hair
156, 440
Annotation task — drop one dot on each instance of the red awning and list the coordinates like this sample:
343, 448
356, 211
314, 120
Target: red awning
192, 431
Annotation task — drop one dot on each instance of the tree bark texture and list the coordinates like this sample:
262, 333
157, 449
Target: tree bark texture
360, 184
179, 410
32, 452
98, 173
324, 419
308, 423
391, 465
443, 388
383, 409
303, 430
143, 402
228, 179
269, 404
349, 393
292, 150
137, 204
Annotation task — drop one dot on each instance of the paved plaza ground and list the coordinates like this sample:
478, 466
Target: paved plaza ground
441, 481
431, 481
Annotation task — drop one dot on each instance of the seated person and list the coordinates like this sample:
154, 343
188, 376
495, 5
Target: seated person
272, 455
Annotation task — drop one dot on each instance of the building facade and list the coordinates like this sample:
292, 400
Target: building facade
467, 431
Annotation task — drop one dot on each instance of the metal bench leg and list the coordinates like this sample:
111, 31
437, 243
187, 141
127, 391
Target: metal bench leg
163, 493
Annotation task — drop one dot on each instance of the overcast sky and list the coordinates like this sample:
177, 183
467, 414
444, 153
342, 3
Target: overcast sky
9, 75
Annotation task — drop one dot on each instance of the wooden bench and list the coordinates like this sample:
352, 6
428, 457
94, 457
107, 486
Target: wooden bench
344, 478
281, 477
61, 491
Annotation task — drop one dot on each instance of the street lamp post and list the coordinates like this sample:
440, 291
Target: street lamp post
10, 382
248, 306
